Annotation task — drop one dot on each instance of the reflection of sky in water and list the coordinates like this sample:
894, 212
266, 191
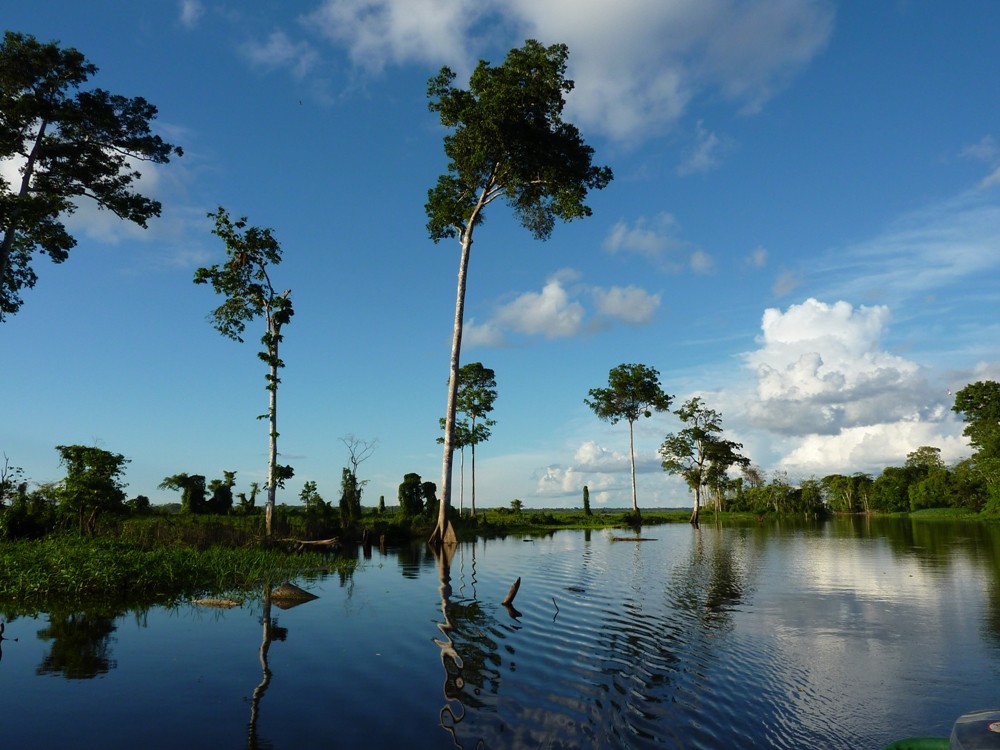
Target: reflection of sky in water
853, 624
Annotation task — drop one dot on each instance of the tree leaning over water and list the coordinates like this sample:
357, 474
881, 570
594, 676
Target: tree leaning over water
633, 391
246, 284
508, 141
68, 144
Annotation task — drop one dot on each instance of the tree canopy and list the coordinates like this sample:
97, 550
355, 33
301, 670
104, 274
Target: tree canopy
69, 144
507, 140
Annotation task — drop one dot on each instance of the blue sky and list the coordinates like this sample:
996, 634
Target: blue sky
803, 229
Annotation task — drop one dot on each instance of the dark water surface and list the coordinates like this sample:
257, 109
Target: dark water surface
844, 634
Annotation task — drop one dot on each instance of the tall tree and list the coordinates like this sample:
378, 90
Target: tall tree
633, 391
93, 482
245, 282
67, 144
477, 390
698, 453
508, 141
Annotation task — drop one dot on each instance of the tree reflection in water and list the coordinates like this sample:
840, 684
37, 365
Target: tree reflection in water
80, 643
272, 632
470, 657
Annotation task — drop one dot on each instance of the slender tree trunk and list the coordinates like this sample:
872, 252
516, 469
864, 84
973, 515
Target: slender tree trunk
461, 485
697, 506
473, 502
444, 533
272, 457
631, 453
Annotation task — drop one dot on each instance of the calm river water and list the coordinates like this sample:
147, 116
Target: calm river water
843, 634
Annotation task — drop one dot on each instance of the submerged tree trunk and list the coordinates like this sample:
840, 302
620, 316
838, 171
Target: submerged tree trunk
697, 506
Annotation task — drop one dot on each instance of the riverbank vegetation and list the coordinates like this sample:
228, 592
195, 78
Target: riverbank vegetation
81, 537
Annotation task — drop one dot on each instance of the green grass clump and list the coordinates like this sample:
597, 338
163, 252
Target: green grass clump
69, 567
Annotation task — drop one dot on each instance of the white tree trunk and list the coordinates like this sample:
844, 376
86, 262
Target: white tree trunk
631, 453
443, 532
272, 457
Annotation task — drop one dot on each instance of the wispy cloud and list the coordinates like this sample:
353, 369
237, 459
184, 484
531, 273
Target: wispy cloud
707, 152
757, 258
928, 251
191, 13
279, 51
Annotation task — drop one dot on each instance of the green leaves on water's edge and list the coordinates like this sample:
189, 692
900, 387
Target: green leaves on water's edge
64, 567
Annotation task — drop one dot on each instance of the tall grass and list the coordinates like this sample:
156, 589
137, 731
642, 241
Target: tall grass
69, 567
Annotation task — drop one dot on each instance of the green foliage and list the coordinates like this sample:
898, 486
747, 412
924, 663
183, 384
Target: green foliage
350, 499
30, 515
509, 140
63, 567
71, 143
979, 405
847, 494
11, 481
428, 495
698, 453
925, 458
93, 483
477, 390
891, 489
586, 501
516, 505
245, 282
221, 501
633, 391
192, 489
411, 500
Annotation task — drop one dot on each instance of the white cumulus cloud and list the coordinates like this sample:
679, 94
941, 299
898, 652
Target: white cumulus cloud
833, 399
